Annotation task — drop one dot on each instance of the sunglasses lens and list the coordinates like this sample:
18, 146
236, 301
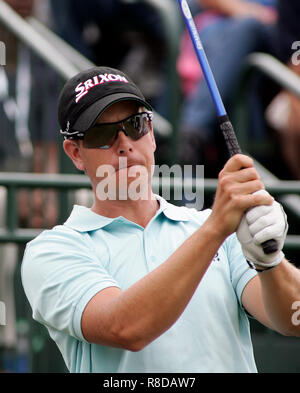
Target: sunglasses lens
102, 136
99, 137
136, 126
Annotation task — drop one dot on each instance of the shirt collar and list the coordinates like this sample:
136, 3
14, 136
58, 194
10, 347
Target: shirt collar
83, 219
172, 212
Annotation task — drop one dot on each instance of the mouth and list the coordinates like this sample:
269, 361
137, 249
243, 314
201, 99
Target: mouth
127, 165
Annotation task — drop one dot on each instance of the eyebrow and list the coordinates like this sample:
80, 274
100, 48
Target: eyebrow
139, 109
120, 121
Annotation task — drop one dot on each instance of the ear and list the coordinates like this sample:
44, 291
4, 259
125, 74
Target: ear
73, 150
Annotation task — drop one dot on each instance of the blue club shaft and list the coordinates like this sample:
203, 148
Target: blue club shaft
269, 246
209, 77
225, 124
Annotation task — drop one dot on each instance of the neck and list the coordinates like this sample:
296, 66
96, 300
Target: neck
140, 211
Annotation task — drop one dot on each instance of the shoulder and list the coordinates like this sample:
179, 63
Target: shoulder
56, 239
73, 233
55, 247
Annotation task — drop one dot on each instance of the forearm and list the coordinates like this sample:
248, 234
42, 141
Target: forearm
144, 311
280, 290
242, 9
228, 7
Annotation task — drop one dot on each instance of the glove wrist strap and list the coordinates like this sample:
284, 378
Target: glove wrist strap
259, 270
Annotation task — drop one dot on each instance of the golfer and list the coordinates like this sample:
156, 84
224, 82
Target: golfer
135, 284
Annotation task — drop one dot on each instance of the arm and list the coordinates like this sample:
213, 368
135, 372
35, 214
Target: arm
228, 7
133, 318
241, 9
270, 298
276, 289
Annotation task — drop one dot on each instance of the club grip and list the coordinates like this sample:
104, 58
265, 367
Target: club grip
229, 135
268, 246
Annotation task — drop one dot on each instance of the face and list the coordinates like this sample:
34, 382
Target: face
126, 159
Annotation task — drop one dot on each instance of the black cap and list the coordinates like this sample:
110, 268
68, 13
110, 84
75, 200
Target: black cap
86, 95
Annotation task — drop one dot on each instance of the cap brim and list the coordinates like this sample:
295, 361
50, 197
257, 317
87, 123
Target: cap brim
91, 114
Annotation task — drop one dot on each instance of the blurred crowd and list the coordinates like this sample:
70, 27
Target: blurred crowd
230, 31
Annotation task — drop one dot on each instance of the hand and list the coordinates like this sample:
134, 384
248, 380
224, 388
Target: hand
242, 9
258, 225
266, 15
236, 193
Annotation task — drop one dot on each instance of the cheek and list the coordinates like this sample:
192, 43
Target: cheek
150, 161
149, 147
92, 163
152, 140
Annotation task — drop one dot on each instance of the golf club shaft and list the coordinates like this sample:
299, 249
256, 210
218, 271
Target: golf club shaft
269, 246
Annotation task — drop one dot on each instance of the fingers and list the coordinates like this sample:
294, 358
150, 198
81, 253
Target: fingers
270, 232
239, 169
262, 222
258, 212
260, 198
237, 162
236, 178
248, 201
240, 188
266, 222
240, 177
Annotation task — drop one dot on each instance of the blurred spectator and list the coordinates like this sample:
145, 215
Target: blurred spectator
29, 125
22, 7
229, 30
283, 114
10, 116
119, 33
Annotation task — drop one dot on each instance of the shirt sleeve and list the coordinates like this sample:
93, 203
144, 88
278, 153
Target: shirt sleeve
240, 273
60, 274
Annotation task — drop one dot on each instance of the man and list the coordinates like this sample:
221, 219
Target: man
140, 285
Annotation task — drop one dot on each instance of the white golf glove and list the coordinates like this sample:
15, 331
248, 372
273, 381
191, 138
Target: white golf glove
258, 225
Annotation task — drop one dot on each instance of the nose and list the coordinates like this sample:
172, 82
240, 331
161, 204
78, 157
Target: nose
123, 142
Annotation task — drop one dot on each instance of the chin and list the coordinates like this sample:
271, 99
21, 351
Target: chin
134, 188
125, 184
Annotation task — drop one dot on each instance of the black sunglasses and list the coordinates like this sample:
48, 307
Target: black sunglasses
103, 135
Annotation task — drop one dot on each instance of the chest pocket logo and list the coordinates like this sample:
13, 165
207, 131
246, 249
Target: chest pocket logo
217, 258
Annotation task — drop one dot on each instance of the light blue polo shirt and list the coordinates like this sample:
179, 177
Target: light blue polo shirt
65, 267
